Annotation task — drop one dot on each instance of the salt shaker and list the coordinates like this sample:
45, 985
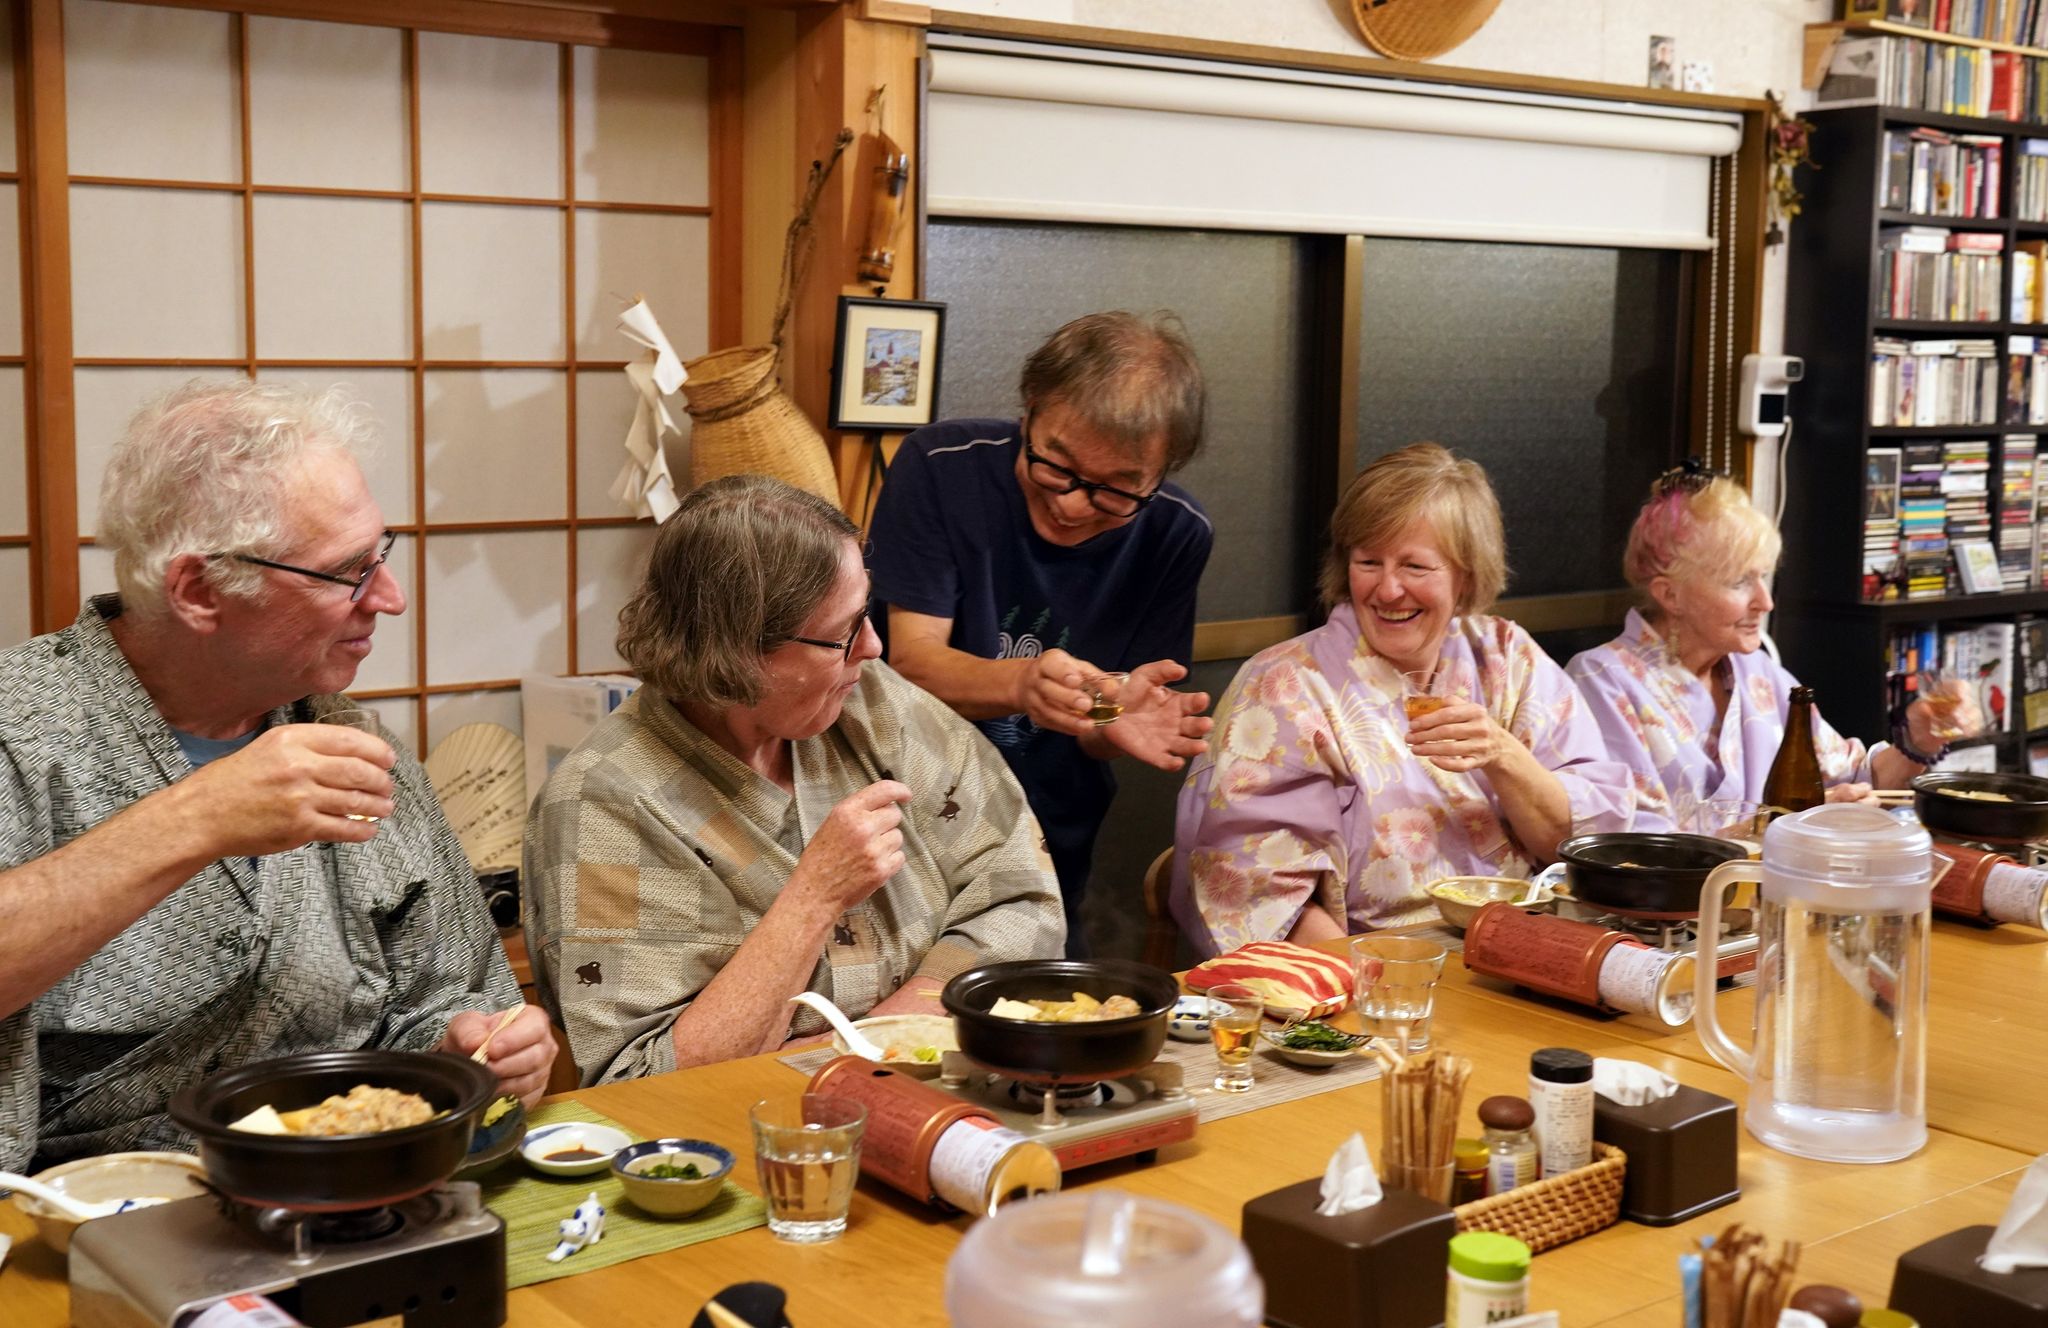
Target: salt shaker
1561, 1095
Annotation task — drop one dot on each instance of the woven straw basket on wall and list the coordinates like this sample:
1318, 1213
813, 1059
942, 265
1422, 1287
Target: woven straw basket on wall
743, 423
1419, 29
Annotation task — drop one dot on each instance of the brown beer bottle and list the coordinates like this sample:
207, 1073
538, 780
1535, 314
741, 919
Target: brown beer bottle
1794, 783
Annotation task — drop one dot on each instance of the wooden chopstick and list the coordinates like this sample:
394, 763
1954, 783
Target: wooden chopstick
483, 1049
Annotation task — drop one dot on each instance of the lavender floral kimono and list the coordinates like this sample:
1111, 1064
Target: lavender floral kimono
1658, 718
1308, 792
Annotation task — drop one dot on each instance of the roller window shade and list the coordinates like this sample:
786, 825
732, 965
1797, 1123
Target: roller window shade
1044, 133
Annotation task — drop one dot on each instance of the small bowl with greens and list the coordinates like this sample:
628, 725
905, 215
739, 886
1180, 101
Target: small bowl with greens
1314, 1043
672, 1177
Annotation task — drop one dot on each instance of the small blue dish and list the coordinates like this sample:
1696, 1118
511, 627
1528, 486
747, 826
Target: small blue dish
1189, 1020
663, 1196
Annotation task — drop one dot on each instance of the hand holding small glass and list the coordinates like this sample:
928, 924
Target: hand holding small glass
363, 721
1944, 711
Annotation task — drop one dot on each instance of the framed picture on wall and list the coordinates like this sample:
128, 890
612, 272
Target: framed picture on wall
885, 364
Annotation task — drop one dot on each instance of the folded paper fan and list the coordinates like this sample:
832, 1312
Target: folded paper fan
479, 774
1294, 981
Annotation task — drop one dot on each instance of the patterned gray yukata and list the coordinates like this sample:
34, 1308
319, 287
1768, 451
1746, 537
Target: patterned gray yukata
327, 947
652, 852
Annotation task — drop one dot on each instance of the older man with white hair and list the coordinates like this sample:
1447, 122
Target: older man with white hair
194, 872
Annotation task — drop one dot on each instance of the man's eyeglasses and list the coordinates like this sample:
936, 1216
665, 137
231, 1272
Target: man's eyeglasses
845, 648
357, 582
1106, 498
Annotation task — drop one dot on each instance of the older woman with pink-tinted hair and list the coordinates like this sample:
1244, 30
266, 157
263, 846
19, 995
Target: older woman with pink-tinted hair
1685, 696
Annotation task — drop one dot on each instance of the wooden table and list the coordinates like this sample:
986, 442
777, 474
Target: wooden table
889, 1269
1987, 1030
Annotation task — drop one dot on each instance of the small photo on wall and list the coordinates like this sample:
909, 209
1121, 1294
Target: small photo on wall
1663, 62
885, 364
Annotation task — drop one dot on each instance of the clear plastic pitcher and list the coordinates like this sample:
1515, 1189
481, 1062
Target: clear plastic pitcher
1105, 1259
1839, 1067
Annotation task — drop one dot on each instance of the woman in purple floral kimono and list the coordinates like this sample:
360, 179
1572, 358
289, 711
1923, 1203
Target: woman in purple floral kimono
1685, 697
1319, 807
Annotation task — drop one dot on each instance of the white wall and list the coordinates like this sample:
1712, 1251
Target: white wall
1753, 45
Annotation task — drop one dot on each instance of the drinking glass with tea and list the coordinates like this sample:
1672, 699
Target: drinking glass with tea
1422, 693
1105, 693
1234, 1030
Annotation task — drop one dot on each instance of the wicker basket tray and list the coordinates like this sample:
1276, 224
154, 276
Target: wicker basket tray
1556, 1209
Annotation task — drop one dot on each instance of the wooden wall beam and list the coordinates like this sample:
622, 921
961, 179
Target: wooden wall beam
46, 239
841, 59
675, 30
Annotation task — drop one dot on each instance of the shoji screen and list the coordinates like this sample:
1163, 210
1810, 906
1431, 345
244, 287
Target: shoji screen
448, 225
14, 474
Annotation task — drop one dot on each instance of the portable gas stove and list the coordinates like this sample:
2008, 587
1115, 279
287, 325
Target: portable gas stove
433, 1261
1082, 1123
1676, 933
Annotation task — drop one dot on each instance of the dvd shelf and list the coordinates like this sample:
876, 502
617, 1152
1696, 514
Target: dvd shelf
1917, 294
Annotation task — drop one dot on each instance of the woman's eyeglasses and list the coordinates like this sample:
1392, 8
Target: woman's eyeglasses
357, 583
1690, 477
845, 648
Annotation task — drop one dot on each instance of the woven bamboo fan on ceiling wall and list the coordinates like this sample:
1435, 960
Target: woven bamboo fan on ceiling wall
1419, 29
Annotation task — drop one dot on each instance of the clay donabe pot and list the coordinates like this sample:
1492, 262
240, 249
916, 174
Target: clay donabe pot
1937, 803
1061, 1053
1656, 875
338, 1172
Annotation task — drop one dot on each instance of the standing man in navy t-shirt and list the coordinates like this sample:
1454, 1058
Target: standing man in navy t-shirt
1014, 561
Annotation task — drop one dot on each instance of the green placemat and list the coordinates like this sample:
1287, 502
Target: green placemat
534, 1205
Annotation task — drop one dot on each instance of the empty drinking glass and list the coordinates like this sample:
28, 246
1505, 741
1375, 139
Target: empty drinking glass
351, 718
1394, 981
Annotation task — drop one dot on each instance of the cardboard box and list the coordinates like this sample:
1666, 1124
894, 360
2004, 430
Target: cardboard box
557, 713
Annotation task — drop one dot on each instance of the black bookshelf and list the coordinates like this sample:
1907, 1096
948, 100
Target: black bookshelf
1829, 636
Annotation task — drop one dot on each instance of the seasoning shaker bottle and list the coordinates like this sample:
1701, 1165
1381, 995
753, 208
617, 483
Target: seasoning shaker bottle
1510, 1151
1488, 1277
1468, 1181
1561, 1095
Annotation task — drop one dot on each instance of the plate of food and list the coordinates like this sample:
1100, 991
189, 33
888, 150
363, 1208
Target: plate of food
1313, 1043
913, 1044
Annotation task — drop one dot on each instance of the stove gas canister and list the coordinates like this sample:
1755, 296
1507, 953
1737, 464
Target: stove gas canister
977, 1166
245, 1310
934, 1147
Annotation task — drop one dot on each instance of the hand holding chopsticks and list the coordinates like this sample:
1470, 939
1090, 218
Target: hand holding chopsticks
482, 1054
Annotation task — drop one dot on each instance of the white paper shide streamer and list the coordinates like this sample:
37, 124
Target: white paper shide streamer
644, 484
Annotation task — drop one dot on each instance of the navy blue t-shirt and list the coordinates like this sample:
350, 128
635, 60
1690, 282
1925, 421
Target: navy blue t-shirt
951, 538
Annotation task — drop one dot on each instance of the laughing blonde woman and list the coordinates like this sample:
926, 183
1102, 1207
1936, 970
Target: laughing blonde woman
1320, 808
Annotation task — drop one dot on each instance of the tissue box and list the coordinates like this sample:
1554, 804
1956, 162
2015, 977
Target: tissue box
1681, 1154
1380, 1267
1941, 1285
